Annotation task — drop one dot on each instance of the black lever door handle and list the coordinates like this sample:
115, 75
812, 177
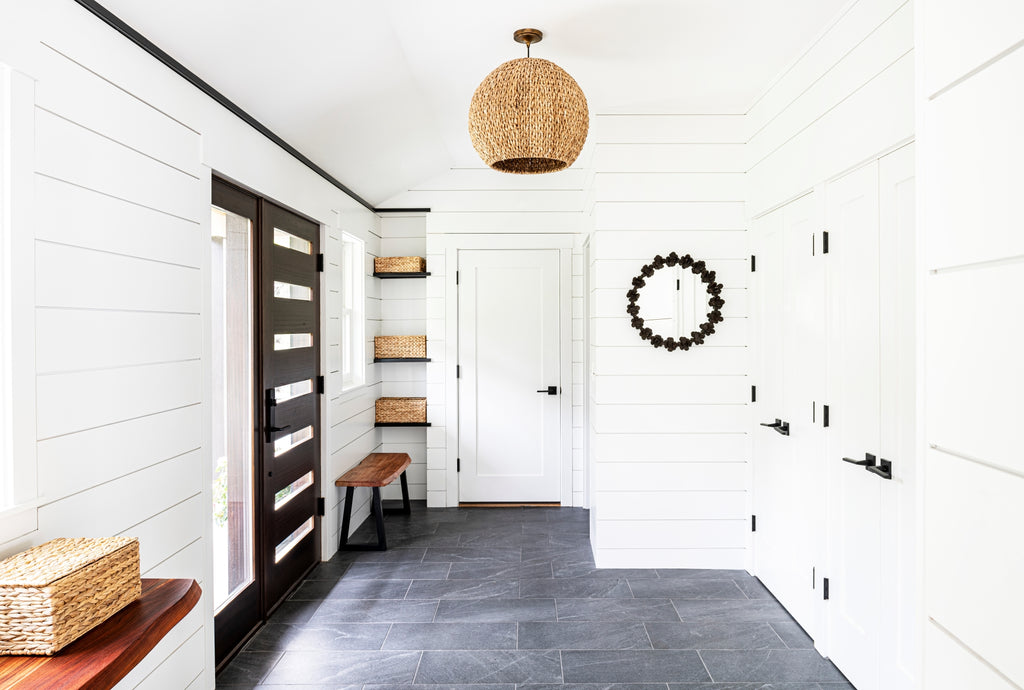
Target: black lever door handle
782, 429
883, 470
868, 461
271, 427
773, 425
550, 390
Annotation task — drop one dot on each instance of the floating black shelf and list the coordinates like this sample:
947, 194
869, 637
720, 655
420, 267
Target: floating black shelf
401, 275
401, 359
402, 424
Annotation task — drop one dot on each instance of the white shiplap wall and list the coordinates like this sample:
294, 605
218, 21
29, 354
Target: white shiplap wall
971, 109
669, 431
118, 263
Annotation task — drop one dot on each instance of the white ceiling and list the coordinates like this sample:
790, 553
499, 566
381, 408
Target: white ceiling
377, 92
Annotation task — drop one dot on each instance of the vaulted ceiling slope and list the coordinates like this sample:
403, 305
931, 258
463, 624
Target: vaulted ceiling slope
377, 93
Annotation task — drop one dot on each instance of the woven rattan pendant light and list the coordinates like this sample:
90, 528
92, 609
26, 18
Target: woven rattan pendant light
528, 116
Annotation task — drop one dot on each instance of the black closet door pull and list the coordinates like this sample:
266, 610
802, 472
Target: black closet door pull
868, 461
550, 390
773, 425
883, 470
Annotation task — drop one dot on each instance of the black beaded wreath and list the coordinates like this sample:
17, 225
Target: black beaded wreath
706, 276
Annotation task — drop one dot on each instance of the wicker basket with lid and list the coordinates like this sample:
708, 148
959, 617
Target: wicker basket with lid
56, 592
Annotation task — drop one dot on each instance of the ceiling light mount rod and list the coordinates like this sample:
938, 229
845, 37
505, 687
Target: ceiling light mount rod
529, 37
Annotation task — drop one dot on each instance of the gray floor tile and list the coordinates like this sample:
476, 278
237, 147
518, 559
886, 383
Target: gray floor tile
357, 686
490, 555
455, 636
576, 588
686, 589
441, 686
636, 666
616, 610
730, 611
705, 573
248, 668
464, 589
793, 665
793, 635
392, 555
753, 588
490, 667
294, 611
308, 637
583, 635
351, 589
573, 568
498, 571
596, 686
760, 686
317, 668
490, 539
331, 570
496, 610
713, 636
400, 571
374, 611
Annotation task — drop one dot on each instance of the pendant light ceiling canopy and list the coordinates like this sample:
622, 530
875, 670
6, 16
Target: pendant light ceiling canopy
528, 116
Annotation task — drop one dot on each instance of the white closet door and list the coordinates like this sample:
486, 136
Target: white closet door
509, 426
898, 631
787, 498
855, 574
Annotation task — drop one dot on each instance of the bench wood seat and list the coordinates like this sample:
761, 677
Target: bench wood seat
374, 471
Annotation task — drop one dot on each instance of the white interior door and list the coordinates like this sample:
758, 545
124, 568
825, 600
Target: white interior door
509, 426
789, 503
898, 632
855, 572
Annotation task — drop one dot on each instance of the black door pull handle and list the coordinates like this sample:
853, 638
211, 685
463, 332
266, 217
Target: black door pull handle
271, 427
868, 461
773, 425
883, 470
550, 390
779, 426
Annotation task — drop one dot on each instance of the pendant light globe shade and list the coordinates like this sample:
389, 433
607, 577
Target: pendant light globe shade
528, 117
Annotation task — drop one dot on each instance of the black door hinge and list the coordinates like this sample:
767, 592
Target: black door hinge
753, 523
458, 371
320, 263
824, 588
458, 464
677, 284
824, 241
321, 507
824, 415
753, 394
753, 263
456, 277
321, 385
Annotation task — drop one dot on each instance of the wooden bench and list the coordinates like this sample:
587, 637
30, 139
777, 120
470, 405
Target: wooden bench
374, 471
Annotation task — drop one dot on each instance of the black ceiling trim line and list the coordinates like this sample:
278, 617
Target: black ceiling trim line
138, 39
402, 210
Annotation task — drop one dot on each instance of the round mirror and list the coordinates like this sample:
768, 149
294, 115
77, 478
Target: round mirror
680, 299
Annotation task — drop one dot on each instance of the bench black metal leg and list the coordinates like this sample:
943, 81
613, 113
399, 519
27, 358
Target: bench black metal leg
347, 519
378, 518
406, 508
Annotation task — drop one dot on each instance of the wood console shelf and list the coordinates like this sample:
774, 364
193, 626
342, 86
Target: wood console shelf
401, 275
105, 654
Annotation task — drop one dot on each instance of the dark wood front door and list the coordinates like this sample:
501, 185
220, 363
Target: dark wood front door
266, 407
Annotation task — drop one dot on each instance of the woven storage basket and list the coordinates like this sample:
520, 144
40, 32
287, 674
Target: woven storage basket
399, 264
402, 410
54, 593
399, 346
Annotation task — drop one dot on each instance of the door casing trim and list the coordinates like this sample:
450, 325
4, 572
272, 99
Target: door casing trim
452, 244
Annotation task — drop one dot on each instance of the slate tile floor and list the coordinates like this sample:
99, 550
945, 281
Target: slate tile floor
509, 599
